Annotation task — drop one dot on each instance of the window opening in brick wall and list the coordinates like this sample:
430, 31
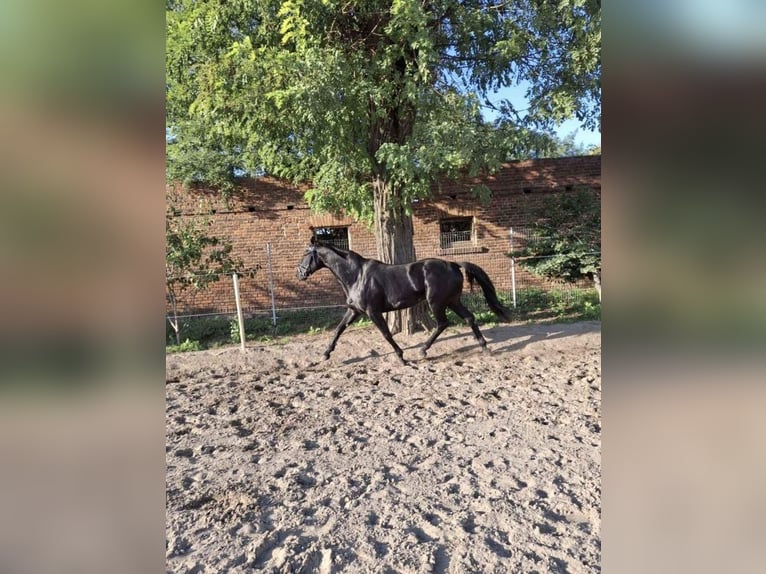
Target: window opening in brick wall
456, 232
335, 236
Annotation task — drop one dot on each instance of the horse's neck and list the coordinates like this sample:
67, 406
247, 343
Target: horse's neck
346, 270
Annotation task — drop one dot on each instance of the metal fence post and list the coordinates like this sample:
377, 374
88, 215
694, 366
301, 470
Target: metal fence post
513, 270
239, 312
513, 280
271, 288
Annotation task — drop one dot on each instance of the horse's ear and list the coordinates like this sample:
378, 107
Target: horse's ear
313, 240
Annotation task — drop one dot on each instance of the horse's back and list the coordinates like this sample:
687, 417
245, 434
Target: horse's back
425, 273
393, 286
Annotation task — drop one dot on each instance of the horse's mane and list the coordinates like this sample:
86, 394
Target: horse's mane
338, 251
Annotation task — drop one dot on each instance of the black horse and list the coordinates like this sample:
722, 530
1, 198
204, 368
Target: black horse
373, 288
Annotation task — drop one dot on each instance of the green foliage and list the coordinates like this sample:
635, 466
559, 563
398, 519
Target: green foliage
203, 330
566, 236
570, 304
193, 259
187, 345
536, 304
339, 93
234, 331
215, 331
201, 155
532, 299
568, 147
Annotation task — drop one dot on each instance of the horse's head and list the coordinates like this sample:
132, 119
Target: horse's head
310, 263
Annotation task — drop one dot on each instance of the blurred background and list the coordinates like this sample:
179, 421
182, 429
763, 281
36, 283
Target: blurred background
81, 294
684, 321
81, 249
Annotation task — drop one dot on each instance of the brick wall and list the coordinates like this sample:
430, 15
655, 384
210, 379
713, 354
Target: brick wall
267, 210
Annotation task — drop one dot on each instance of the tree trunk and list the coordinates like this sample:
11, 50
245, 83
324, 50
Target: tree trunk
394, 243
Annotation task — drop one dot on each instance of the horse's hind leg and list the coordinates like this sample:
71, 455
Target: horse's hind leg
441, 324
380, 322
348, 318
461, 310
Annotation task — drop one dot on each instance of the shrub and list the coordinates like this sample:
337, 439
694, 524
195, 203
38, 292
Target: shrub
187, 345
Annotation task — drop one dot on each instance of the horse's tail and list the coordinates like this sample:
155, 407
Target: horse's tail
475, 272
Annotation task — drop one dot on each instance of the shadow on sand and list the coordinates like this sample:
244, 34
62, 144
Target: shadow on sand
500, 339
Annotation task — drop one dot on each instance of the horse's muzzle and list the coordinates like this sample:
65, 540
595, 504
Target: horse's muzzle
301, 273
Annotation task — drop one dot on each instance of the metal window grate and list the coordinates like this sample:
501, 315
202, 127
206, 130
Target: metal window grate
335, 236
455, 232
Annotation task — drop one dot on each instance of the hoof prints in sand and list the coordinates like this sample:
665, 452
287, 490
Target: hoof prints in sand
458, 463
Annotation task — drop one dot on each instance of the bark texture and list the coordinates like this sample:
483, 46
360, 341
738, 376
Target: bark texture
394, 243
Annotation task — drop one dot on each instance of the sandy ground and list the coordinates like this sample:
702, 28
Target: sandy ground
460, 462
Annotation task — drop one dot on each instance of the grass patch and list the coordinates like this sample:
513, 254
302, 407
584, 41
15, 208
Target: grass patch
210, 332
187, 345
534, 304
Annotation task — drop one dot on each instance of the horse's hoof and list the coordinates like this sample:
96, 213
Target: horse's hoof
326, 356
486, 350
423, 353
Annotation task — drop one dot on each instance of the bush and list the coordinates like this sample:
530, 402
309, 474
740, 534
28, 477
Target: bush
532, 299
534, 304
187, 345
201, 329
562, 304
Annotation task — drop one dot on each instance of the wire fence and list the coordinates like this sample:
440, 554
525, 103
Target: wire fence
525, 280
269, 305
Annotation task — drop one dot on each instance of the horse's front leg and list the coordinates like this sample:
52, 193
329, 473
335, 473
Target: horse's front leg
348, 318
380, 323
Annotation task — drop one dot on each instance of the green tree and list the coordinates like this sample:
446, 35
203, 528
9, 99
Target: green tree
568, 146
193, 260
371, 101
565, 242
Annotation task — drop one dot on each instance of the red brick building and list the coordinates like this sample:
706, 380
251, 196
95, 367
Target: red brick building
451, 225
